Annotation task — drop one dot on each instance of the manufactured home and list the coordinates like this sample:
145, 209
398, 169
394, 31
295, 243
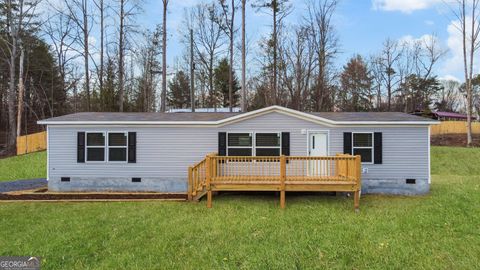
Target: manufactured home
101, 151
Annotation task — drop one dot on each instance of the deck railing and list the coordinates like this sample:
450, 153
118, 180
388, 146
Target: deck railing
280, 173
197, 178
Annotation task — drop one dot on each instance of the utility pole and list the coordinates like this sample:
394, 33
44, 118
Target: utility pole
192, 74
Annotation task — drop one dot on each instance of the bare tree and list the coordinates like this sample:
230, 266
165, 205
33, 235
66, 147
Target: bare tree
79, 12
278, 9
229, 29
100, 4
59, 29
326, 44
297, 66
164, 57
19, 16
471, 43
448, 97
208, 43
127, 10
388, 59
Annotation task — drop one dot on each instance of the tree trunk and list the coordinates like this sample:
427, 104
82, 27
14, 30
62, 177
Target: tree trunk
467, 78
192, 74
121, 52
244, 91
230, 71
86, 53
11, 97
274, 88
473, 37
102, 37
21, 91
164, 58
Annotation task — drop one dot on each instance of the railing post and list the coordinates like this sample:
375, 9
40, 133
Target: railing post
337, 165
190, 183
283, 176
208, 175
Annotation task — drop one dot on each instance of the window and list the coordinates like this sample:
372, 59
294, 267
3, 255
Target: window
267, 144
117, 146
258, 144
239, 144
95, 146
363, 145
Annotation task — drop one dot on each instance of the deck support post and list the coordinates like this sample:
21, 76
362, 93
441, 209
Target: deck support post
356, 200
283, 176
358, 182
190, 183
209, 199
208, 176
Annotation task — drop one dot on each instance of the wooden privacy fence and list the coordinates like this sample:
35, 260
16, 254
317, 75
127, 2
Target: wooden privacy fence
32, 143
277, 173
453, 127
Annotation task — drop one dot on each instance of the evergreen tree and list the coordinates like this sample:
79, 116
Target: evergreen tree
356, 85
179, 95
221, 84
109, 95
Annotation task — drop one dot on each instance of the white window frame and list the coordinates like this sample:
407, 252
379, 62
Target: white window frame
108, 146
279, 147
364, 147
252, 135
105, 143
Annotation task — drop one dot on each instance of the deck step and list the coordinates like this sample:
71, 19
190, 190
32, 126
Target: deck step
199, 195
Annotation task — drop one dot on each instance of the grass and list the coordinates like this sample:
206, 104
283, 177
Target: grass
437, 231
27, 166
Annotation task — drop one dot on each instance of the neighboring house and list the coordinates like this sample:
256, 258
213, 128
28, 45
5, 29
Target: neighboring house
450, 116
152, 151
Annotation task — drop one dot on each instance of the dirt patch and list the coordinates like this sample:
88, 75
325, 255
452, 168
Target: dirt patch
454, 140
51, 196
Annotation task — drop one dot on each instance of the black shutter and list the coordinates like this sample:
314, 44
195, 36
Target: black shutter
222, 144
347, 143
81, 147
377, 148
132, 147
286, 143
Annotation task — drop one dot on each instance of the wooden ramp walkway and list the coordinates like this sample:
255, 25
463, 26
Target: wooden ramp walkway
341, 173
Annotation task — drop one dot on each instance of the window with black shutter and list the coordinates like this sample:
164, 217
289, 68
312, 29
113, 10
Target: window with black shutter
362, 144
239, 144
267, 144
117, 146
95, 146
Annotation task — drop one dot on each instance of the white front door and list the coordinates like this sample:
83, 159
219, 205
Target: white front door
318, 144
318, 147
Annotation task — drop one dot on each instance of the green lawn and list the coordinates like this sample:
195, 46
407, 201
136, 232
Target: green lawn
24, 167
438, 231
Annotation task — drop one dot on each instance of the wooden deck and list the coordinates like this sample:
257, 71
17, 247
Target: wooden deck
340, 173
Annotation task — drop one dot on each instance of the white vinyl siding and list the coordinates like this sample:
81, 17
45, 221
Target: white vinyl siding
165, 152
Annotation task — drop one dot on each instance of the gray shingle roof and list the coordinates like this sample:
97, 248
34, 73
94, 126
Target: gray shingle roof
370, 116
142, 116
211, 117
